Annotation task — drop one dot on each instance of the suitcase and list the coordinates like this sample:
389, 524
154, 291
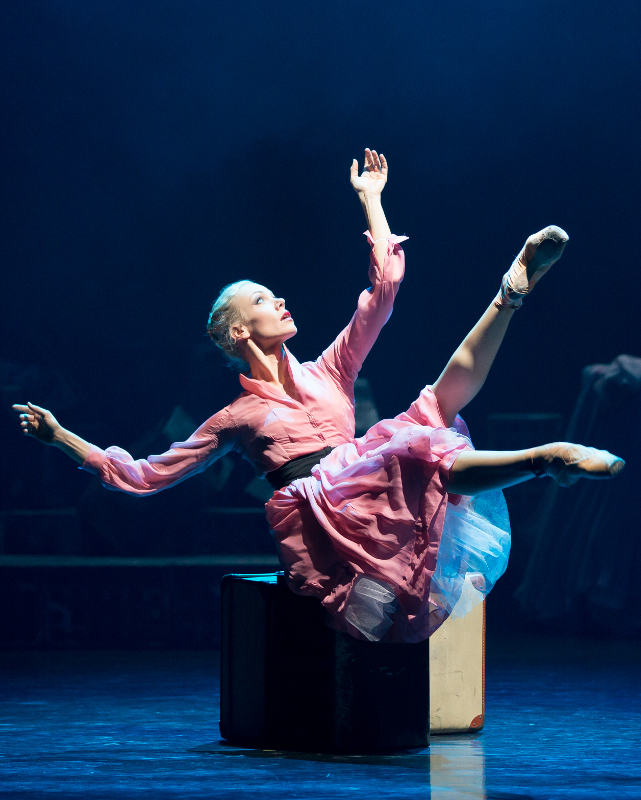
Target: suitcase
290, 682
457, 674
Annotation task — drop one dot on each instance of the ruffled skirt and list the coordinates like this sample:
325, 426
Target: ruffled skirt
374, 534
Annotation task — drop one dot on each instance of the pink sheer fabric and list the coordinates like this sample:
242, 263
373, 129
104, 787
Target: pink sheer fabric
363, 532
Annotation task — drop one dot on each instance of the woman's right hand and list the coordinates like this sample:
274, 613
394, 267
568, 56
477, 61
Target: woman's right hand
38, 423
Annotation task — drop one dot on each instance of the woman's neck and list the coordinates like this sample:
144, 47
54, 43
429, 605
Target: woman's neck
267, 366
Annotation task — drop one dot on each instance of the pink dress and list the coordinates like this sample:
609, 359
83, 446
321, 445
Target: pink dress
373, 532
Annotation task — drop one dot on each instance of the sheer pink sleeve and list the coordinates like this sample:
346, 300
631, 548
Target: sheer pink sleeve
118, 470
344, 357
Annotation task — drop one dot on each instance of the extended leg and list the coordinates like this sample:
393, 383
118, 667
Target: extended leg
467, 369
476, 471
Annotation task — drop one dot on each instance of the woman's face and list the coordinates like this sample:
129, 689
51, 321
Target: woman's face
263, 317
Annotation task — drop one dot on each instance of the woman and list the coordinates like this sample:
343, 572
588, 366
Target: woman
390, 531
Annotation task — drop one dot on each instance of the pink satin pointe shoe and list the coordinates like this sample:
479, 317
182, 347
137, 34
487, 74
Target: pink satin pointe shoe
567, 462
539, 252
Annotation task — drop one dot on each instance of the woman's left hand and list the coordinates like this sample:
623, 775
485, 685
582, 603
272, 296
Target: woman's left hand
374, 176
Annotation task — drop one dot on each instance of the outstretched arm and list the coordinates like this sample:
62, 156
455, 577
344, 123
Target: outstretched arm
117, 469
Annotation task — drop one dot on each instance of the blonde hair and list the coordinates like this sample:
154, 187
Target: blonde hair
222, 316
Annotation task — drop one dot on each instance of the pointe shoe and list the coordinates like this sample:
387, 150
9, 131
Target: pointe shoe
539, 252
567, 463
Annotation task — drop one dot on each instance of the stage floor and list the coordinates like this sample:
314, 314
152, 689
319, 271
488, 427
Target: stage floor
563, 720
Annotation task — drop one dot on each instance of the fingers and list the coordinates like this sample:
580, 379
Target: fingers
30, 417
28, 423
370, 160
374, 173
374, 163
26, 413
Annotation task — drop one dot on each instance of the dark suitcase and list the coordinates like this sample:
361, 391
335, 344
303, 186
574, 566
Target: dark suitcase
290, 682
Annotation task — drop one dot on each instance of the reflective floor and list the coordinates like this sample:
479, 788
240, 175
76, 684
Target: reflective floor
563, 720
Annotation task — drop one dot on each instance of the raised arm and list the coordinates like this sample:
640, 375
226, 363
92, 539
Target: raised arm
344, 357
117, 469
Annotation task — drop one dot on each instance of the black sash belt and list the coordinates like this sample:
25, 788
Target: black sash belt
300, 467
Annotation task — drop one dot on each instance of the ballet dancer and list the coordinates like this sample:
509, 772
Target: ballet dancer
393, 531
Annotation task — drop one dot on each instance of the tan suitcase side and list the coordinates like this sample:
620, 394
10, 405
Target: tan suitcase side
457, 674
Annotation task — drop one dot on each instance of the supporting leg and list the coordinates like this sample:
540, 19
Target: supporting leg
476, 471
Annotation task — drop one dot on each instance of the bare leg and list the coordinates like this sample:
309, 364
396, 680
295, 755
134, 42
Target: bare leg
467, 369
476, 471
